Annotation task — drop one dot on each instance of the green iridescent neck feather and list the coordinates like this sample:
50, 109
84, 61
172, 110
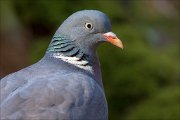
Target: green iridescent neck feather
62, 47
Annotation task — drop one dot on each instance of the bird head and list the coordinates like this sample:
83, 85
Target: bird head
88, 28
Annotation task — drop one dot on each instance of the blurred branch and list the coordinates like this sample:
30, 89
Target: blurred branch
13, 55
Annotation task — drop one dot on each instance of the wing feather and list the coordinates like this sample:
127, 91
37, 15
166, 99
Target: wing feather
49, 97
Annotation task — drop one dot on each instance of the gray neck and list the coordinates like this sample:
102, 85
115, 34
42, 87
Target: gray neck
66, 49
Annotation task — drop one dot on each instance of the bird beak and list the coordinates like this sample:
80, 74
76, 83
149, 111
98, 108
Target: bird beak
112, 38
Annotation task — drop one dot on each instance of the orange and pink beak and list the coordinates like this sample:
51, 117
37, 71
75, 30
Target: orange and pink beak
112, 38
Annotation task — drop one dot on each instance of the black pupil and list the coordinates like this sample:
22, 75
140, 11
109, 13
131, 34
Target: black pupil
88, 25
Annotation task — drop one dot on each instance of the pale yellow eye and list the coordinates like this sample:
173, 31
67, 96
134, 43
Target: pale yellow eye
88, 26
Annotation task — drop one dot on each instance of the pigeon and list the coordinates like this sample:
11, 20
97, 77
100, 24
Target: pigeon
66, 83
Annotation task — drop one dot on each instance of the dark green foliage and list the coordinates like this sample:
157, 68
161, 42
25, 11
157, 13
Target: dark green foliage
164, 105
142, 81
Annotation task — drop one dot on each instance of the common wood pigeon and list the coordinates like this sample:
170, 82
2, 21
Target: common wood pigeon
66, 83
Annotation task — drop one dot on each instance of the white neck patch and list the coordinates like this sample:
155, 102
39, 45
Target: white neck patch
74, 60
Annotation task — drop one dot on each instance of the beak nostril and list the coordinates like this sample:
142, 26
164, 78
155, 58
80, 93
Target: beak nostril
110, 34
113, 37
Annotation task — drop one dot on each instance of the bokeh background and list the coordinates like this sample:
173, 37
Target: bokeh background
142, 82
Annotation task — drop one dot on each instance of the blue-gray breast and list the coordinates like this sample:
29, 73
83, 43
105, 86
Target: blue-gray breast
66, 83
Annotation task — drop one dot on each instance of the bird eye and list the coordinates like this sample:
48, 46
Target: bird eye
88, 26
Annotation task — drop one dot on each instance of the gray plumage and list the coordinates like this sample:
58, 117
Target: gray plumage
66, 83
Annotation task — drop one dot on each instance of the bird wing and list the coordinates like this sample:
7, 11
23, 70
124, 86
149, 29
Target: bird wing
46, 97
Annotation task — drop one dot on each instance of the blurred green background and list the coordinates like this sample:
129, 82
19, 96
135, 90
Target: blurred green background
142, 82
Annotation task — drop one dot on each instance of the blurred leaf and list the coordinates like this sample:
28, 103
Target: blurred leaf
164, 105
